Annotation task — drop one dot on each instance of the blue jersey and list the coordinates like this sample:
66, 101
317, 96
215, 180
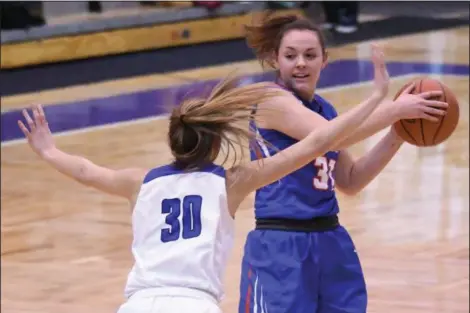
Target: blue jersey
307, 192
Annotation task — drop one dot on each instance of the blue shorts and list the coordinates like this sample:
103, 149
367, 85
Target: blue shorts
297, 272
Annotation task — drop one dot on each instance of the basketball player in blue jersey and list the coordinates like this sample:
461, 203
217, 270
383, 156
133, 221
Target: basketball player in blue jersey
182, 217
299, 258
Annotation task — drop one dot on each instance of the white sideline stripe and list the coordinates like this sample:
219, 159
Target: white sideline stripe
164, 116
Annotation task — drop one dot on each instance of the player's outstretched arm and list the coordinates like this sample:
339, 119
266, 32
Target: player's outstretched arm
124, 183
291, 117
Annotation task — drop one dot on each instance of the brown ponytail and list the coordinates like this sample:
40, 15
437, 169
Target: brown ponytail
200, 127
264, 39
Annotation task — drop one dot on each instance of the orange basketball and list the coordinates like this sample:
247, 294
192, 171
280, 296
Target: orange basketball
424, 133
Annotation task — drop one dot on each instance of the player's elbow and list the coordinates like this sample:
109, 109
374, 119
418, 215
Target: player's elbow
86, 175
347, 185
350, 190
82, 173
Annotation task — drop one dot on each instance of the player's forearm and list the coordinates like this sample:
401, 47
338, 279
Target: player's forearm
382, 117
75, 167
370, 165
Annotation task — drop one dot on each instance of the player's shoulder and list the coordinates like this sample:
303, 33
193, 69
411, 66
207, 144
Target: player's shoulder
171, 170
283, 100
160, 171
281, 91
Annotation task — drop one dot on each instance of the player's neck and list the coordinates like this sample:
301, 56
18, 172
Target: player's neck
305, 96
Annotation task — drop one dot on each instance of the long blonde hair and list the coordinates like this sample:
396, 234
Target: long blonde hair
199, 127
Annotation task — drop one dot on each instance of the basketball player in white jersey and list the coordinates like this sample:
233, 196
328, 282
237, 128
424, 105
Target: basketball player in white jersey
183, 213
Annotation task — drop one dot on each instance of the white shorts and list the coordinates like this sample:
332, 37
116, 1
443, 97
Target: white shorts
159, 300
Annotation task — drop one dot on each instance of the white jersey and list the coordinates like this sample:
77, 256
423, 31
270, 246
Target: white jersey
183, 231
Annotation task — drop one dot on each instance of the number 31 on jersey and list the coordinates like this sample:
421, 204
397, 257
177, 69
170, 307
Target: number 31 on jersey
325, 168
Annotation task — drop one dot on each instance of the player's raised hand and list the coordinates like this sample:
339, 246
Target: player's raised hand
381, 77
38, 133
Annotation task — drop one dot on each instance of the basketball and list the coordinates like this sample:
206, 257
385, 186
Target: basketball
424, 133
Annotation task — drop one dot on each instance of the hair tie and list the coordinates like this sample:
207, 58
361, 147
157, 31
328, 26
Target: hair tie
181, 119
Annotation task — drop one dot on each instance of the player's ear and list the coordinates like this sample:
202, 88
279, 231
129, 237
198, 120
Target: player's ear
273, 61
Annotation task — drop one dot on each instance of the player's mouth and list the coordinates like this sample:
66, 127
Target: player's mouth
300, 76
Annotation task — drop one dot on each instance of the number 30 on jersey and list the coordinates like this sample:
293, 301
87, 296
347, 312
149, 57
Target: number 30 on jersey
325, 168
190, 221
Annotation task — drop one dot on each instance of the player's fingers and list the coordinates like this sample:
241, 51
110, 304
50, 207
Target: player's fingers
434, 111
35, 114
24, 129
28, 120
377, 49
408, 89
430, 94
378, 58
42, 115
437, 104
430, 118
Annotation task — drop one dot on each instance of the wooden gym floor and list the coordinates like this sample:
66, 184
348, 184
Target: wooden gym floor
66, 248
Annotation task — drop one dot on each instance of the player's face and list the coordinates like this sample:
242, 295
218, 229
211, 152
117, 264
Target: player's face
300, 60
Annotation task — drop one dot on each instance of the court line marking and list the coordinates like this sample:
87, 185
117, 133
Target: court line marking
117, 87
164, 116
144, 83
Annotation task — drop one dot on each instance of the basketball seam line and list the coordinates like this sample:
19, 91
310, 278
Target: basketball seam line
407, 132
